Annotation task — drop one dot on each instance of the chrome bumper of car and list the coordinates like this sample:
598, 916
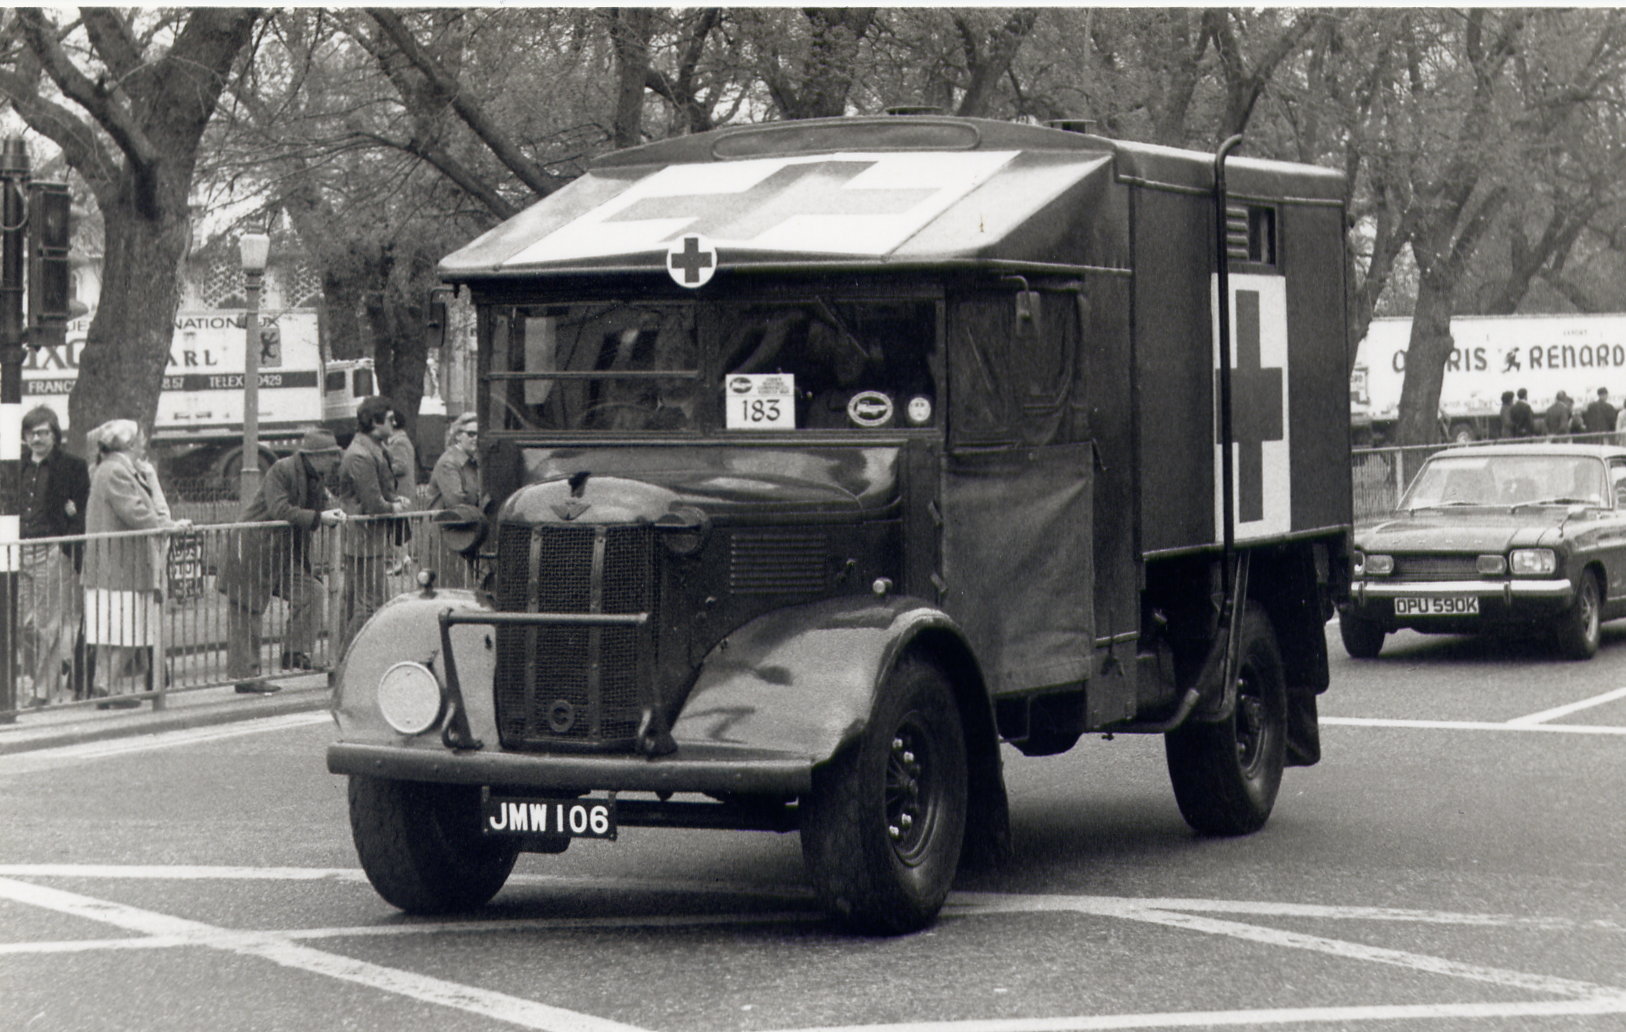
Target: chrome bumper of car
1507, 590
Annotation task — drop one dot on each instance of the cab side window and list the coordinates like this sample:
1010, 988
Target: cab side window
1617, 482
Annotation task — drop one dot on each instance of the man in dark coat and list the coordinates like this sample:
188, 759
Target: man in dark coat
1524, 417
54, 485
276, 560
1600, 416
367, 489
1557, 417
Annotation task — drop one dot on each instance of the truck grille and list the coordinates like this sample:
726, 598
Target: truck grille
1436, 567
581, 686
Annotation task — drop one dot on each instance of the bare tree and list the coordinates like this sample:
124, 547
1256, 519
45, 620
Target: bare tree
129, 115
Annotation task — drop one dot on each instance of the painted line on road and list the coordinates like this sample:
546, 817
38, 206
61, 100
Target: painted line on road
281, 951
283, 948
1247, 1018
1564, 711
1474, 725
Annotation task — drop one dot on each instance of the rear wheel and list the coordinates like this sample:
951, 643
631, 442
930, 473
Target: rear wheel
1579, 629
1363, 638
1226, 774
421, 847
882, 828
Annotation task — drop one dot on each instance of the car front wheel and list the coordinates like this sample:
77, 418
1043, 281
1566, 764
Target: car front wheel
1579, 628
1363, 638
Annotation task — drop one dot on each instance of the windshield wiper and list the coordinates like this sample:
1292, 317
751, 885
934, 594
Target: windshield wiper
1443, 505
1558, 501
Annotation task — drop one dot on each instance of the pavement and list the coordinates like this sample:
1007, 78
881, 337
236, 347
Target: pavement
188, 708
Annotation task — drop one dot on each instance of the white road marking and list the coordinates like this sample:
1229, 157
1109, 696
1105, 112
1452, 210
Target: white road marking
153, 930
1564, 711
46, 759
1472, 725
1245, 1018
280, 950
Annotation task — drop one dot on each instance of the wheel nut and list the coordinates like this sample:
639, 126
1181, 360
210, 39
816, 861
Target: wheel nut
907, 821
892, 830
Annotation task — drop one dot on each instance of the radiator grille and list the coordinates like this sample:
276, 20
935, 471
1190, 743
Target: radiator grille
1436, 567
778, 562
545, 683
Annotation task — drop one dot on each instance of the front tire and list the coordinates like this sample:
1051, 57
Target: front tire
1363, 637
1580, 628
1226, 774
420, 845
883, 826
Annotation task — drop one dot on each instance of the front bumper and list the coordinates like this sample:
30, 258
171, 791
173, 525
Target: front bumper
694, 767
1501, 602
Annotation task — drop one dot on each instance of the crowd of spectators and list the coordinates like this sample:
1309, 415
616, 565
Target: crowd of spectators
90, 604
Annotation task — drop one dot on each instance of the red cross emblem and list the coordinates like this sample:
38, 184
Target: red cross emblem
1256, 409
691, 260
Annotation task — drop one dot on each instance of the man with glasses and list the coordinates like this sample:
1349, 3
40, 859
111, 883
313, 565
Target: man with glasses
54, 485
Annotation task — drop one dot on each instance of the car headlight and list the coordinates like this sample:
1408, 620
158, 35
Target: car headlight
1533, 560
409, 697
1374, 565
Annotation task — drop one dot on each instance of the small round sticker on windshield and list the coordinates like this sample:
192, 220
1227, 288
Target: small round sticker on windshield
869, 408
920, 410
691, 260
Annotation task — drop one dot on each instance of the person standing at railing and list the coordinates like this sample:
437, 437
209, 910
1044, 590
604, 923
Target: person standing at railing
367, 487
403, 456
276, 561
124, 575
54, 486
456, 478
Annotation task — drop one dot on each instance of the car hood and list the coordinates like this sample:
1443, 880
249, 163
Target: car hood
1466, 530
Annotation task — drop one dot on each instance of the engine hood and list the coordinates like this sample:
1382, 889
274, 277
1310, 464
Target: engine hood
1467, 530
633, 483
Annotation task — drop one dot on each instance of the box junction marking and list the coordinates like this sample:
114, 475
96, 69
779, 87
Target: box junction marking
154, 930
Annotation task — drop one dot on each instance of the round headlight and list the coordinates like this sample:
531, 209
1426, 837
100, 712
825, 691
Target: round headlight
409, 697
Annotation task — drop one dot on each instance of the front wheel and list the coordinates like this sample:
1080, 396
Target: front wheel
882, 828
1579, 629
1226, 774
420, 845
1363, 638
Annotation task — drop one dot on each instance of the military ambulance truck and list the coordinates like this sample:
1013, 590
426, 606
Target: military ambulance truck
826, 456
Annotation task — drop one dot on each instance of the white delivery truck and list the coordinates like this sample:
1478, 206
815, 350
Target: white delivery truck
1492, 353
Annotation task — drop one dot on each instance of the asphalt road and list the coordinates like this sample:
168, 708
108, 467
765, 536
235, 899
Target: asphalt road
1455, 862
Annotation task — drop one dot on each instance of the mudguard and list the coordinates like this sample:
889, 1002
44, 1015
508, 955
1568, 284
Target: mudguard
407, 628
803, 679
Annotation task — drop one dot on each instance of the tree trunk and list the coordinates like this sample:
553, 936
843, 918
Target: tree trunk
127, 346
400, 356
1426, 355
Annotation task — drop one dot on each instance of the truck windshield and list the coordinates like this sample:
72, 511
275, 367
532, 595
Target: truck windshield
672, 366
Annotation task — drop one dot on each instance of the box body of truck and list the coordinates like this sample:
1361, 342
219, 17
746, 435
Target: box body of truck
823, 457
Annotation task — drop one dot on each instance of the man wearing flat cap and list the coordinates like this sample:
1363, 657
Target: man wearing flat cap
276, 560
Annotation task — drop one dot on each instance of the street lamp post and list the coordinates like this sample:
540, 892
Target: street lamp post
254, 248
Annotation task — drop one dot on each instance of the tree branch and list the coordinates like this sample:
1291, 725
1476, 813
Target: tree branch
112, 116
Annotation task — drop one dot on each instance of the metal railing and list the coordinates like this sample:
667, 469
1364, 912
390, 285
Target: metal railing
235, 604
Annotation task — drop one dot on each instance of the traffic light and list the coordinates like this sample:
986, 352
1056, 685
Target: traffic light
48, 232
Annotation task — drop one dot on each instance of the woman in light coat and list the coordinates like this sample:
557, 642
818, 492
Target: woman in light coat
124, 575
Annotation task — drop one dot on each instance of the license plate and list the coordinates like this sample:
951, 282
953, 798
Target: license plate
522, 816
1438, 605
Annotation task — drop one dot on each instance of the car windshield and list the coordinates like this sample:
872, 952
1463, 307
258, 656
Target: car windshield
1509, 480
640, 366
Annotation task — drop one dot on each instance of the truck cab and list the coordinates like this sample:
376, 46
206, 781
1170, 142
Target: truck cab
825, 457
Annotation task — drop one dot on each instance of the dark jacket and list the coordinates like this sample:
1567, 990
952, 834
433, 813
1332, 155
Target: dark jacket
258, 568
67, 479
366, 488
456, 480
1600, 417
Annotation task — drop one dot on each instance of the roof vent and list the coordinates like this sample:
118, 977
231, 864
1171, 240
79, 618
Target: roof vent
914, 109
1073, 125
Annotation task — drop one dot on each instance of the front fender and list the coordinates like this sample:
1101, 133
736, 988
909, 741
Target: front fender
803, 679
408, 628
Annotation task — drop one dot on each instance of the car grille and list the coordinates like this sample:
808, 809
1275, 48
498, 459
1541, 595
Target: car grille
579, 686
1436, 567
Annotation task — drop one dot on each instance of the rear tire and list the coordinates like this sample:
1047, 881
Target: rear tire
1226, 775
883, 826
1363, 637
1580, 628
421, 847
